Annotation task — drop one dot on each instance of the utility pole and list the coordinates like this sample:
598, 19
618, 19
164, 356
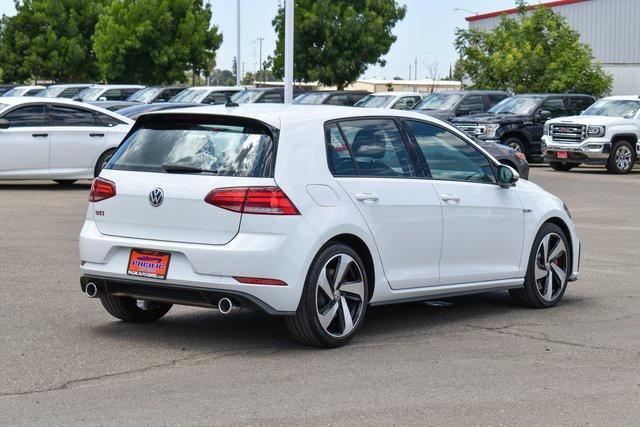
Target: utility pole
288, 50
415, 69
260, 40
409, 71
238, 78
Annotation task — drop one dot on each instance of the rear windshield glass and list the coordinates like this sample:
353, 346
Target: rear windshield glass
213, 146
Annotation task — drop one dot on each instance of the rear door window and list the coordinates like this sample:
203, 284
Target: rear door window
555, 106
579, 104
198, 145
472, 104
494, 98
338, 156
68, 116
338, 99
377, 148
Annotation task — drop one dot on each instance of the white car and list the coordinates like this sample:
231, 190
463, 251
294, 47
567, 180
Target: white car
394, 100
65, 90
206, 94
607, 133
23, 91
314, 213
56, 138
107, 93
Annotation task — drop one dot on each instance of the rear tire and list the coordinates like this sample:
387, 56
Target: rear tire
64, 181
334, 299
562, 166
128, 309
548, 272
104, 158
622, 158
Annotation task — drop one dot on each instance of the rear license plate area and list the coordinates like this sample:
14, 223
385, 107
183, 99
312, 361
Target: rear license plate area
148, 264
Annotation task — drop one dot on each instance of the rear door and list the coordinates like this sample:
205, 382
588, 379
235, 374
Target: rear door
482, 222
76, 140
154, 158
24, 146
403, 212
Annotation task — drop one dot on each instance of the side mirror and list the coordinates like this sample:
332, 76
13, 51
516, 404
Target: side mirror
543, 115
102, 98
507, 176
4, 124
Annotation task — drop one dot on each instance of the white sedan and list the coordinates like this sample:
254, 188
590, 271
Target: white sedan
58, 139
393, 100
314, 213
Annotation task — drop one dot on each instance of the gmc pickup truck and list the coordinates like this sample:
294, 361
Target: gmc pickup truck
607, 133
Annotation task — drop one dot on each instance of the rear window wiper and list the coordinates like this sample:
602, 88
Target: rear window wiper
175, 168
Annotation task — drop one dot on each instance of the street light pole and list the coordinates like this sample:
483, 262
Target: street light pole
238, 79
260, 40
288, 50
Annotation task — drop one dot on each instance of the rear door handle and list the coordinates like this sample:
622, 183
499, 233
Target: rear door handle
363, 197
96, 135
450, 198
39, 135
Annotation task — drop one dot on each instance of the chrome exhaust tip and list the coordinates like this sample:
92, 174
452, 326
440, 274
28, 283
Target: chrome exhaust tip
91, 290
225, 305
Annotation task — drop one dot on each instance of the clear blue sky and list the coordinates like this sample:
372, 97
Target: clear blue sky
427, 32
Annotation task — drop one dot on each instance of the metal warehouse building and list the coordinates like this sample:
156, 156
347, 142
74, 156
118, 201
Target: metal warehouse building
610, 27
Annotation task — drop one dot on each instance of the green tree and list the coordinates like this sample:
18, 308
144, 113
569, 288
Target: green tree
536, 51
335, 40
155, 41
50, 39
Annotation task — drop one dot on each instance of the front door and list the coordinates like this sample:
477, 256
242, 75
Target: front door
402, 211
482, 222
24, 146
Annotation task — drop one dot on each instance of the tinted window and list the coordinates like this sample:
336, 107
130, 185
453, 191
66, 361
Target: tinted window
70, 92
113, 95
355, 97
215, 98
405, 103
104, 120
222, 147
555, 106
67, 116
494, 98
377, 147
578, 105
448, 156
32, 92
26, 116
339, 99
472, 104
170, 93
338, 157
275, 98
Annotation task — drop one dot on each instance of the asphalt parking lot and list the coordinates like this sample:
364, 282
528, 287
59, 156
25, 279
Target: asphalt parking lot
474, 360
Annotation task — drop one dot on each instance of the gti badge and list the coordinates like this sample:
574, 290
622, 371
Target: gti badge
156, 197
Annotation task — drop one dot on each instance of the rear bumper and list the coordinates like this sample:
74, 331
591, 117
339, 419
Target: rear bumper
206, 271
177, 294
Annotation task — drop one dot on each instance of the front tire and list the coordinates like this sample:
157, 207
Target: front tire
334, 299
562, 166
132, 310
622, 158
548, 272
516, 144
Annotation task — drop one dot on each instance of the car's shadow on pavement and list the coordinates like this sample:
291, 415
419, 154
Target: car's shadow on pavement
207, 330
25, 186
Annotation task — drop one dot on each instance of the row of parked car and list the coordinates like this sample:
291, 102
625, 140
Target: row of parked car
564, 129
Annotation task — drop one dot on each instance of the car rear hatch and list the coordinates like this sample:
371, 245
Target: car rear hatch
167, 166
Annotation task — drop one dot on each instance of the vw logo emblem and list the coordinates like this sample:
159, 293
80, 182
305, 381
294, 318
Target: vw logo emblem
156, 197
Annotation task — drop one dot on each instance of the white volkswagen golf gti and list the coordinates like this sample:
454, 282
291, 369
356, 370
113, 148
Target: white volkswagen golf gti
314, 213
58, 139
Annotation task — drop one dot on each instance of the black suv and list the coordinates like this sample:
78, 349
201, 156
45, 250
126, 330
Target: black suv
518, 122
449, 105
331, 97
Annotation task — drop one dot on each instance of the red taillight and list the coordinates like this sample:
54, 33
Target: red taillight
101, 189
252, 200
259, 281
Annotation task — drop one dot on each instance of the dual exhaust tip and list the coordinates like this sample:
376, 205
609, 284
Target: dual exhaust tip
225, 306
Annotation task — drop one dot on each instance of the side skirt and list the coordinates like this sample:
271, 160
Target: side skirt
445, 291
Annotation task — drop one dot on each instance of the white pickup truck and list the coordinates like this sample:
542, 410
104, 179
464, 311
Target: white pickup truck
607, 133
